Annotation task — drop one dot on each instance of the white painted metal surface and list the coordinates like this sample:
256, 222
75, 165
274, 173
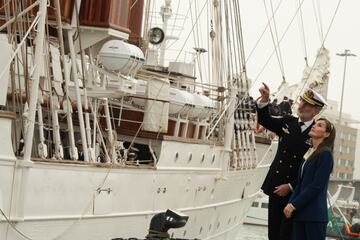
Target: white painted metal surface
88, 202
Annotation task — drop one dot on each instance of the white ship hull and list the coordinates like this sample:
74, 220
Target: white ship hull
56, 199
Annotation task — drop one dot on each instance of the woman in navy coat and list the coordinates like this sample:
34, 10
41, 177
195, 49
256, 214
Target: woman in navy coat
308, 204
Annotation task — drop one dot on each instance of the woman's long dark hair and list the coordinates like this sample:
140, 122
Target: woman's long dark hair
328, 142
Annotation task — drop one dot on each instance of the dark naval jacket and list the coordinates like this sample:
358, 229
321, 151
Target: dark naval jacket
293, 144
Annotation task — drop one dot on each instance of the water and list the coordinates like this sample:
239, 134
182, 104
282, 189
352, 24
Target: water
252, 232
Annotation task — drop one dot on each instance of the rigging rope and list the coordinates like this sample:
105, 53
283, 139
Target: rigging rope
277, 39
197, 43
188, 36
322, 43
230, 42
318, 22
302, 32
241, 41
263, 32
272, 53
275, 43
232, 53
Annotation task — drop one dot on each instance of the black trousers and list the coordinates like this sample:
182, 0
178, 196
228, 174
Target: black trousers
279, 227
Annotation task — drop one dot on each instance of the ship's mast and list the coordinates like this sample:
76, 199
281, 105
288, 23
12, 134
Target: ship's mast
35, 77
166, 14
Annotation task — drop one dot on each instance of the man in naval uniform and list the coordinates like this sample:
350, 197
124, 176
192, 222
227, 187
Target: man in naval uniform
294, 141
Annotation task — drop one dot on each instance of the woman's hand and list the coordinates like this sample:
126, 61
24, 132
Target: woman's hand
288, 210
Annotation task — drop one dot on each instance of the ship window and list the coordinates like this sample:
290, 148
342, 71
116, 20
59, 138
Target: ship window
255, 204
264, 205
213, 158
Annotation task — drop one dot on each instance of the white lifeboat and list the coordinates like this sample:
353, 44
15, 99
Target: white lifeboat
203, 106
181, 102
120, 56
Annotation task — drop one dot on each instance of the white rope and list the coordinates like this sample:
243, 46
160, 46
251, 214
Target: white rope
191, 30
263, 32
272, 53
182, 27
8, 22
318, 24
232, 43
12, 225
20, 45
277, 39
240, 38
196, 41
322, 45
302, 31
276, 44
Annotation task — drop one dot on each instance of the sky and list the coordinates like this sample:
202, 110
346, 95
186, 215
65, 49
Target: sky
343, 34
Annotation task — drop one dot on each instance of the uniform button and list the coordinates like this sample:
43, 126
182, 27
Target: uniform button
284, 151
290, 166
294, 156
277, 171
280, 161
287, 176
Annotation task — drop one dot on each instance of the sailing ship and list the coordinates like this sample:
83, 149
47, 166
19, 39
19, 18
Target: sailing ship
100, 133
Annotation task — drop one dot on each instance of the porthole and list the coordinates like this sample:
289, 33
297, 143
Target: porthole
190, 157
202, 157
213, 158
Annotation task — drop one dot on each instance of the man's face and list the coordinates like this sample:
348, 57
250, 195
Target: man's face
307, 111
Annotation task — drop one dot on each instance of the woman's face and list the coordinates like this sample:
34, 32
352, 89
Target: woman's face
318, 130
